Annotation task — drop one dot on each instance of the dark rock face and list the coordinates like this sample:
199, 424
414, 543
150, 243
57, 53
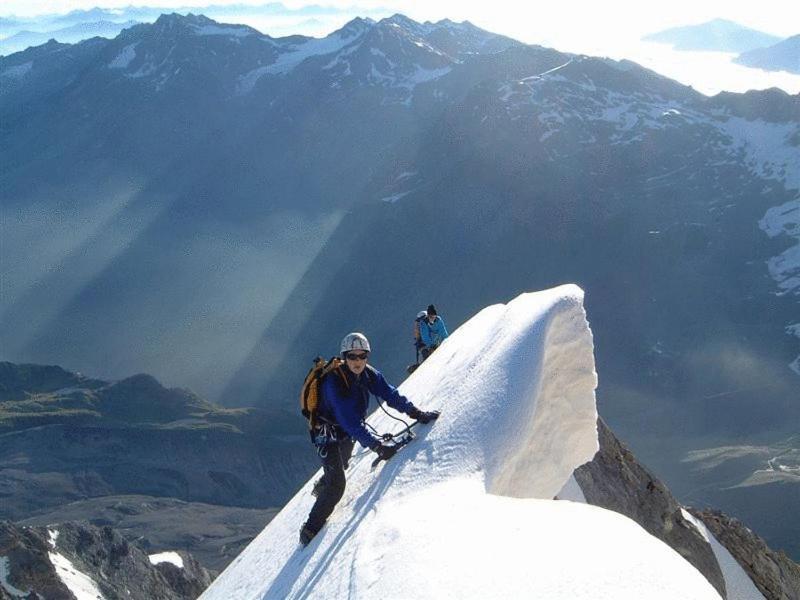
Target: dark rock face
117, 568
774, 574
615, 480
214, 534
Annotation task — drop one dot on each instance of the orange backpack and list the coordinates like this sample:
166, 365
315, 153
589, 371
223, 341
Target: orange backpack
311, 394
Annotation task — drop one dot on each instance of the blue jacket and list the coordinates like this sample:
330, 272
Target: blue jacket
433, 334
347, 405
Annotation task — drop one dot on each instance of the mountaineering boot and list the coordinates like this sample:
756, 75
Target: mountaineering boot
307, 534
318, 485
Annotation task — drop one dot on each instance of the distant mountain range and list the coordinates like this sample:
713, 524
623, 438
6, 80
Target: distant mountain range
719, 35
783, 56
72, 34
19, 33
216, 207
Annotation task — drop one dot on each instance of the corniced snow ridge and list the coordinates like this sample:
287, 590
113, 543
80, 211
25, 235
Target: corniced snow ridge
465, 510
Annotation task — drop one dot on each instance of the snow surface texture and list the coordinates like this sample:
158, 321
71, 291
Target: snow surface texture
737, 583
465, 511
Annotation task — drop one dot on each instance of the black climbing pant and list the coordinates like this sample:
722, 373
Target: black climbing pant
334, 463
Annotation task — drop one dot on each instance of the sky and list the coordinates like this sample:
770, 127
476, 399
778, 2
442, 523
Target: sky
407, 528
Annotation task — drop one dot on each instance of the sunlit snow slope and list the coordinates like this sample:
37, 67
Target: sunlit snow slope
465, 510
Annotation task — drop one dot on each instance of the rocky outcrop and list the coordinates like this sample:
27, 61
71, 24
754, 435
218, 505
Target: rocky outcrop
615, 480
214, 534
52, 562
774, 574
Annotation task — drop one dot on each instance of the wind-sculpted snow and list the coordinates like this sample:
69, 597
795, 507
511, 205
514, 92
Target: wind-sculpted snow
465, 510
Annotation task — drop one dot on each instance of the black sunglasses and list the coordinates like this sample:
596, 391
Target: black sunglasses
354, 356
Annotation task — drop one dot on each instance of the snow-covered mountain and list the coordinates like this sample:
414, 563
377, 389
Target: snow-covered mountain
181, 201
466, 509
783, 56
718, 35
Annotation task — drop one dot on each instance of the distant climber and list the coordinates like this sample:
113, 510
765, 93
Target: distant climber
344, 400
432, 331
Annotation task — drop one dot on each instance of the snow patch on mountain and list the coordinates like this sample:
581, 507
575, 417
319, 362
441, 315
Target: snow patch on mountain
313, 47
515, 385
767, 147
125, 57
169, 557
559, 97
247, 82
81, 585
394, 197
422, 75
785, 268
738, 584
294, 54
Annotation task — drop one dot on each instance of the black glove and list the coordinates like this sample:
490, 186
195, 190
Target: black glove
386, 451
423, 416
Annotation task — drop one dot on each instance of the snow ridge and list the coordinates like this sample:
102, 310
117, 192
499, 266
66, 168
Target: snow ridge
468, 504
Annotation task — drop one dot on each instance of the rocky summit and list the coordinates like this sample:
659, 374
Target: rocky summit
61, 561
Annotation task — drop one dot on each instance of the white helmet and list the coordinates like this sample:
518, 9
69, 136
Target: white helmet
355, 341
422, 313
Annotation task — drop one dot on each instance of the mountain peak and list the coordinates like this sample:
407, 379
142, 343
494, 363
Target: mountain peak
179, 20
355, 27
400, 21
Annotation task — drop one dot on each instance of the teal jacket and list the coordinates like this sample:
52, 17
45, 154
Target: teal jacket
433, 334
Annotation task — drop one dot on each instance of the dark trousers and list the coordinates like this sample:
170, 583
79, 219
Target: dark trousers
426, 351
334, 464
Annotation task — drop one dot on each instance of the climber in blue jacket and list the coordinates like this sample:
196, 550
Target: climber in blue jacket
345, 400
432, 332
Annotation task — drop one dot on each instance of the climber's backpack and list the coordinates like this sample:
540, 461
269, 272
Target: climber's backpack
311, 394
